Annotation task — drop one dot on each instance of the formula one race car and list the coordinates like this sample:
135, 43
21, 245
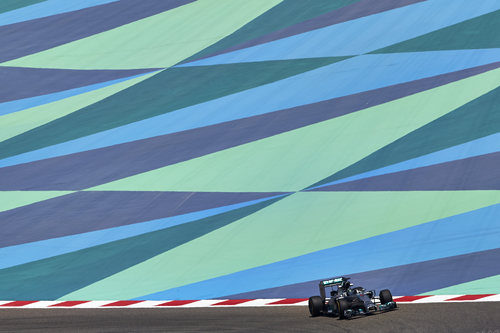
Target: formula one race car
346, 302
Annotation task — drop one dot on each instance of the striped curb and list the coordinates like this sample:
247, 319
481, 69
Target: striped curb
230, 302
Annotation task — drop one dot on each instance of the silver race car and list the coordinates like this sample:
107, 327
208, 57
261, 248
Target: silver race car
345, 301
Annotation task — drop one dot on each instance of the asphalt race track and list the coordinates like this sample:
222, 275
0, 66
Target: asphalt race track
453, 317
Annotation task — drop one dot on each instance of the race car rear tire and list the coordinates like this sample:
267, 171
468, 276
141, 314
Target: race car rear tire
342, 305
385, 296
316, 305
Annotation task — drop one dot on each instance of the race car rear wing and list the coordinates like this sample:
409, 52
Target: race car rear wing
331, 282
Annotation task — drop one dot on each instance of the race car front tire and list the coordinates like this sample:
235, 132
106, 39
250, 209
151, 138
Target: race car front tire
316, 305
342, 305
385, 296
335, 308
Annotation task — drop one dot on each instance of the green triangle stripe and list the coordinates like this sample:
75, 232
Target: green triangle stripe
169, 90
283, 15
8, 5
489, 285
16, 123
157, 41
478, 33
296, 159
474, 120
291, 227
14, 199
54, 277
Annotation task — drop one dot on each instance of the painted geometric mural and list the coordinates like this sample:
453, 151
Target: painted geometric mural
187, 149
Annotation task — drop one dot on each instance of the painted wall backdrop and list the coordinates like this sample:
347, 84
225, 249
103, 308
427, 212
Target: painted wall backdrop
181, 149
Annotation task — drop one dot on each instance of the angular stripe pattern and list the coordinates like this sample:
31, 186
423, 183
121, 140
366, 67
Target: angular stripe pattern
167, 151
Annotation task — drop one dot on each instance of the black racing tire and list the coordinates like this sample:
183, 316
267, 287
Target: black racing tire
316, 305
342, 305
335, 307
385, 296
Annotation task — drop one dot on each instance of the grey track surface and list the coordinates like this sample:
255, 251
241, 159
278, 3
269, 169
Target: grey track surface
453, 317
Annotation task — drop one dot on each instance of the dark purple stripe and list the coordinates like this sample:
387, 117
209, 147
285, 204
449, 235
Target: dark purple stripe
23, 38
88, 211
412, 279
19, 82
347, 13
474, 173
99, 166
